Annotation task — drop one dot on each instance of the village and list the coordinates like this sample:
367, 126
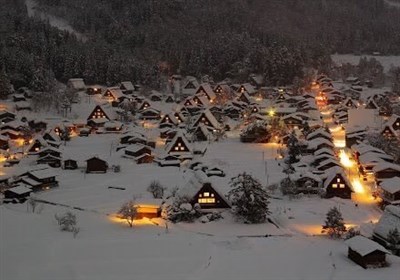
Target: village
329, 145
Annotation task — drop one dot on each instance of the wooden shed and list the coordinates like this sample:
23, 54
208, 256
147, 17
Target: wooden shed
148, 208
18, 193
366, 252
96, 165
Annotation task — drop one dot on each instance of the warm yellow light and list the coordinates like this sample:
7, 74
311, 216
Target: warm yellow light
357, 186
339, 143
271, 113
345, 159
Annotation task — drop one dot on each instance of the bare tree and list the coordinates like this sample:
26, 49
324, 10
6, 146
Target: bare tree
128, 212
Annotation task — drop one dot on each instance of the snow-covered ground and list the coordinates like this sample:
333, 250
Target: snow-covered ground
62, 24
32, 247
393, 3
386, 61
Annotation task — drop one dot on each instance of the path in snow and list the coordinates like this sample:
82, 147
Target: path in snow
54, 21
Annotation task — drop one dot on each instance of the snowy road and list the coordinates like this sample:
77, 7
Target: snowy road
54, 21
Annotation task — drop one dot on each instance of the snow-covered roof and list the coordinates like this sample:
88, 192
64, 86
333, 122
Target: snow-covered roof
207, 90
128, 85
324, 151
374, 157
390, 220
319, 132
391, 185
313, 144
210, 117
332, 172
386, 165
364, 246
116, 92
20, 189
77, 83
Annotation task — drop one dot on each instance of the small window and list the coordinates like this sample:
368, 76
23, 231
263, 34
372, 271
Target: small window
341, 186
206, 194
334, 186
338, 180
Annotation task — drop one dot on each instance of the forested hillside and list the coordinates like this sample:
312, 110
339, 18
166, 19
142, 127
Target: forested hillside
145, 40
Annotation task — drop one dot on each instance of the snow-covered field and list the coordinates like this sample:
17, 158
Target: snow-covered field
32, 247
386, 61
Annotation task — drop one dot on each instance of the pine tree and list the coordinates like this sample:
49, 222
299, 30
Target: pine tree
249, 199
5, 85
293, 149
334, 225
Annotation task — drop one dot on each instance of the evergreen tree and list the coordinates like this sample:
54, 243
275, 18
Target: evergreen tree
293, 149
334, 225
5, 85
249, 199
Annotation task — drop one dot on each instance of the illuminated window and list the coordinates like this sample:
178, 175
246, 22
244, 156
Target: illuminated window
341, 186
176, 148
338, 180
206, 194
206, 200
334, 186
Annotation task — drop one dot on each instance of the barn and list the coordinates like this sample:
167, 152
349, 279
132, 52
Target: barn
337, 184
366, 252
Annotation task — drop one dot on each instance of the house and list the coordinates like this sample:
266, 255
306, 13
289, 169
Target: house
349, 102
328, 163
390, 190
39, 179
148, 208
168, 120
200, 100
205, 90
37, 125
96, 165
92, 90
113, 127
137, 150
70, 164
209, 198
371, 104
76, 84
99, 112
393, 122
365, 252
319, 143
51, 160
19, 193
155, 96
23, 105
144, 158
18, 97
388, 132
145, 104
168, 160
307, 183
37, 143
51, 135
319, 133
386, 170
179, 146
389, 221
201, 133
6, 117
127, 87
169, 99
292, 121
208, 119
4, 142
150, 114
114, 94
337, 184
244, 97
246, 88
